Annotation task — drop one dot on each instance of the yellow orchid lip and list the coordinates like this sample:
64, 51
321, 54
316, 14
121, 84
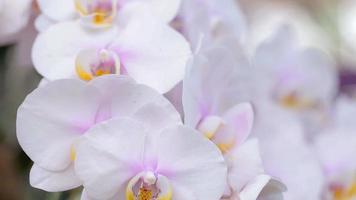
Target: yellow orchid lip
148, 186
97, 12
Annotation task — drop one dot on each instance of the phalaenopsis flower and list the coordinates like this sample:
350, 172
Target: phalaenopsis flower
144, 48
53, 118
126, 159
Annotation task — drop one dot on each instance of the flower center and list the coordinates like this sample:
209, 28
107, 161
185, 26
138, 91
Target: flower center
148, 186
91, 63
344, 193
97, 12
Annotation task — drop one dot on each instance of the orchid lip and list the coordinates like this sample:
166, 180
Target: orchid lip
148, 186
91, 63
97, 13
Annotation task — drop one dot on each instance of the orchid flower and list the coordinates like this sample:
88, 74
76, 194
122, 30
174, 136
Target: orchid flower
124, 159
287, 75
210, 102
14, 15
99, 13
56, 116
150, 52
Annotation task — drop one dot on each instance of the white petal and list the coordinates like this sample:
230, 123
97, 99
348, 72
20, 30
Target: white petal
156, 117
14, 16
214, 19
336, 151
245, 164
108, 156
42, 23
58, 10
192, 163
273, 191
238, 124
163, 9
294, 163
130, 96
51, 181
48, 121
54, 58
263, 187
152, 53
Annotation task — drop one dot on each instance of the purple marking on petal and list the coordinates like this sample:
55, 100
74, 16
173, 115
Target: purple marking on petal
136, 167
204, 109
151, 164
82, 127
124, 55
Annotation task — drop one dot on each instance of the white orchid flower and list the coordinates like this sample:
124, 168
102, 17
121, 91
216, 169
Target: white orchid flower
54, 117
210, 102
99, 13
14, 15
286, 74
149, 51
124, 159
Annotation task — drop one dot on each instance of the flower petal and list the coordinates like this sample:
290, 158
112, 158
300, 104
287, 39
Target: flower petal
58, 10
335, 150
130, 97
42, 23
246, 164
55, 59
53, 181
156, 117
164, 10
48, 121
214, 19
263, 187
14, 16
192, 163
152, 53
238, 124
